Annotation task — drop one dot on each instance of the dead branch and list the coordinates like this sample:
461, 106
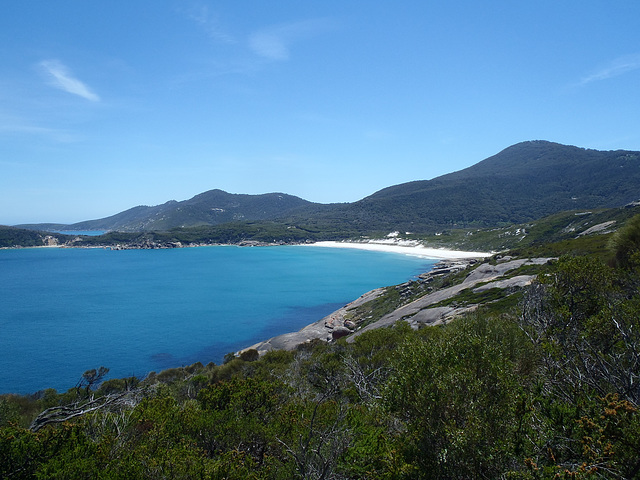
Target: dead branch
64, 413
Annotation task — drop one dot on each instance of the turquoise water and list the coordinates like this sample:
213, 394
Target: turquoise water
65, 311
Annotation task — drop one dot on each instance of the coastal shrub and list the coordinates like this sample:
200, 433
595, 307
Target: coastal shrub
243, 415
250, 355
227, 371
196, 367
585, 324
228, 357
277, 357
171, 375
93, 377
22, 409
9, 410
459, 390
116, 385
270, 366
625, 244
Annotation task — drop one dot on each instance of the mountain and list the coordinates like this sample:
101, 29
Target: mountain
213, 207
526, 181
523, 182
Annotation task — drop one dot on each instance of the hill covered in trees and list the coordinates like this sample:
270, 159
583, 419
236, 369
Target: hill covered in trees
213, 207
526, 181
20, 237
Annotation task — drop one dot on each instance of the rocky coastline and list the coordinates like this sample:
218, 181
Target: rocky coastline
50, 241
417, 312
155, 245
341, 322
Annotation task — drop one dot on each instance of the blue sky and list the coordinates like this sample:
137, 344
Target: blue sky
109, 105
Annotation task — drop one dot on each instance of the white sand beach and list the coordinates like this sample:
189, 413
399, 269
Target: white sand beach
404, 247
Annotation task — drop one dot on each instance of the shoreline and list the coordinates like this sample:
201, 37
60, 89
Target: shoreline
405, 247
337, 323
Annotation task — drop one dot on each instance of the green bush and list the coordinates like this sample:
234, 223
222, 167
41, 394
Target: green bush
625, 244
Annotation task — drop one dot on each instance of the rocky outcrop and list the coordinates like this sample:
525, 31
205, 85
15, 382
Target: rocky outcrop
50, 241
333, 326
422, 311
146, 245
600, 228
518, 281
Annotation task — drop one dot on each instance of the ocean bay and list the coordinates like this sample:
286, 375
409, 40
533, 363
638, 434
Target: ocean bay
68, 310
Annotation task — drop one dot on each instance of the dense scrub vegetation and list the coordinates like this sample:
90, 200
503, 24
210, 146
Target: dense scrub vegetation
228, 233
547, 388
557, 233
12, 237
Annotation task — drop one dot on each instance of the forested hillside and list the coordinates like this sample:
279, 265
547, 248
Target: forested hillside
534, 382
213, 207
521, 183
12, 237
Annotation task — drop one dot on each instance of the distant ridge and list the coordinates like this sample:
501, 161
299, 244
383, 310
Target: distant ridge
523, 182
213, 207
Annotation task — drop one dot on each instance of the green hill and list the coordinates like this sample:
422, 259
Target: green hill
213, 207
523, 182
526, 181
19, 237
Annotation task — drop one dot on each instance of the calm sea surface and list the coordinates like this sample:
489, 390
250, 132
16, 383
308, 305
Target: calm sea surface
64, 311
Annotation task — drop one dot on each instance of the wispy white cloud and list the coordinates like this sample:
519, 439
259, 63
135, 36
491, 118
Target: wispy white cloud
60, 77
274, 43
208, 21
617, 67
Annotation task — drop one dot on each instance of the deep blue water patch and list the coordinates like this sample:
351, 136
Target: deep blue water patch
65, 311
